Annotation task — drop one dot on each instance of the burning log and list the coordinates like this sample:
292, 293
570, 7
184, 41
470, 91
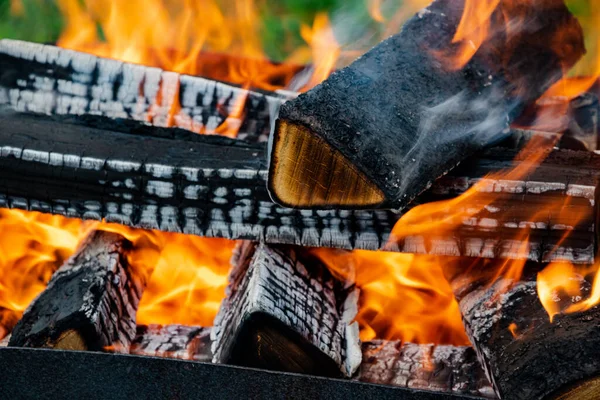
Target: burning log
446, 369
90, 302
379, 132
8, 320
173, 180
524, 354
50, 80
281, 314
172, 341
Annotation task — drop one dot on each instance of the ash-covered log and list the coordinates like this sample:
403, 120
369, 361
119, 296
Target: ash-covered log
173, 180
50, 80
282, 314
442, 369
524, 354
90, 302
172, 341
379, 132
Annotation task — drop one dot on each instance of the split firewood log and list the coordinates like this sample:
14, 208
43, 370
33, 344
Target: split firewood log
525, 354
442, 369
172, 341
379, 132
90, 302
282, 314
173, 180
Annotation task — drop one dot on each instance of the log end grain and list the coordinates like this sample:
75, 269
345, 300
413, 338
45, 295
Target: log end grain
307, 172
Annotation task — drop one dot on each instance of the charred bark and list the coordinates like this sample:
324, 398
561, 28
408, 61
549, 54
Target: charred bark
379, 132
447, 369
172, 341
526, 356
172, 180
281, 314
50, 80
90, 302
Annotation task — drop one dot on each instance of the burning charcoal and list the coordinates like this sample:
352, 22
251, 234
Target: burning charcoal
379, 132
220, 192
448, 369
284, 315
172, 341
47, 79
90, 302
525, 355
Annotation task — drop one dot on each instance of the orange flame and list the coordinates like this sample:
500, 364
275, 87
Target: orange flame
176, 34
188, 274
403, 296
560, 288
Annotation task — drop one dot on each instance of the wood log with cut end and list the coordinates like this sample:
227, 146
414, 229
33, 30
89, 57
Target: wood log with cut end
379, 132
526, 356
172, 341
90, 302
50, 80
172, 180
282, 314
446, 369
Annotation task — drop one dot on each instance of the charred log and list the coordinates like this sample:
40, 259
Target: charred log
524, 354
281, 314
172, 341
50, 80
447, 369
379, 132
172, 180
90, 302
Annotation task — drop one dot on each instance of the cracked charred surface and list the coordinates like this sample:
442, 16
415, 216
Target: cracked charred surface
90, 302
172, 341
285, 315
447, 369
525, 356
172, 180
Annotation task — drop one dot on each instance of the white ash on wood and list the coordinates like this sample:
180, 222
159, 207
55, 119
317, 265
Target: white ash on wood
4, 341
283, 314
441, 368
50, 80
524, 354
211, 186
173, 341
90, 302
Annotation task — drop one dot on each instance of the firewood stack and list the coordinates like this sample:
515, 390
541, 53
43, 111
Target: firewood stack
93, 138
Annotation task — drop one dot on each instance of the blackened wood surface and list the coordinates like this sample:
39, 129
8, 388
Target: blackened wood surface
172, 341
51, 80
89, 303
284, 315
403, 118
448, 369
525, 356
211, 186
